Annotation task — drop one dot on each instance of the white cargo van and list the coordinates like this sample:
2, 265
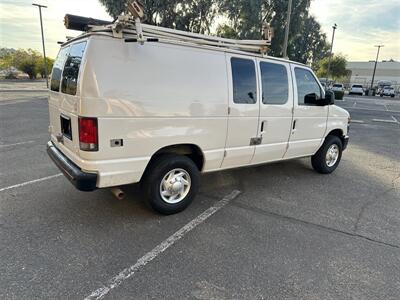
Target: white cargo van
160, 110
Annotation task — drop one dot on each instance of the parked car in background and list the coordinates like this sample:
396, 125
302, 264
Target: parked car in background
356, 89
387, 91
338, 87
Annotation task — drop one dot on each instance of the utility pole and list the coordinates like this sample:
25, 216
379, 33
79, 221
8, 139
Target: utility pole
330, 54
44, 49
285, 42
376, 61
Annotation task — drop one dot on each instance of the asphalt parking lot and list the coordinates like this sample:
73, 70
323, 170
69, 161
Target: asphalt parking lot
278, 231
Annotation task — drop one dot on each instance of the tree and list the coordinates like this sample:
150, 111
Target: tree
307, 43
188, 15
28, 61
244, 20
337, 70
40, 65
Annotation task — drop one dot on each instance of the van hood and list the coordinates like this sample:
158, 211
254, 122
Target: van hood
336, 111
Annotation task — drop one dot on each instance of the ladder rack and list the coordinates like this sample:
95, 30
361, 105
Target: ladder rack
125, 26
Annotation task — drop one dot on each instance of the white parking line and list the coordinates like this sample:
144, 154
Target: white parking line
378, 110
384, 121
21, 101
29, 182
160, 248
395, 119
16, 144
357, 121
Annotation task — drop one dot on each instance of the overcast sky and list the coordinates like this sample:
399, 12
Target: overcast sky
361, 24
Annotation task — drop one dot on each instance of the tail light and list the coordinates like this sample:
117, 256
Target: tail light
88, 134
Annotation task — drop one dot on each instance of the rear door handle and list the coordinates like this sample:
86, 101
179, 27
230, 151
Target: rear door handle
263, 125
294, 126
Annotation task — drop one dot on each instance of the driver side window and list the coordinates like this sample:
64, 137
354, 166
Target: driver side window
306, 84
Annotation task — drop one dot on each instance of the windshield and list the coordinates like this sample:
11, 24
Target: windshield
357, 86
337, 85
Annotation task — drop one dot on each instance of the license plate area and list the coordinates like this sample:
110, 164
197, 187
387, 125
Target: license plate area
66, 126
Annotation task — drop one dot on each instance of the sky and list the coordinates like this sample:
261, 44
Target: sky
361, 24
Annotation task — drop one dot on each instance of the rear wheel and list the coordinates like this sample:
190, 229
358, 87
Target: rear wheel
171, 183
327, 158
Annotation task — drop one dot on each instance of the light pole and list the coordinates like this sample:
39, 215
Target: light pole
285, 42
376, 61
44, 49
330, 54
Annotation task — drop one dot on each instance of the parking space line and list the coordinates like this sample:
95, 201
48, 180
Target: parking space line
395, 119
377, 110
36, 99
384, 121
16, 144
29, 182
357, 121
160, 248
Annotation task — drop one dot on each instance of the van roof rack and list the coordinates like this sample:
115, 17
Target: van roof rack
133, 30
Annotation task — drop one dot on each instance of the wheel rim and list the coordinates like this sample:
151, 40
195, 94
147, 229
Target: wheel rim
332, 155
175, 186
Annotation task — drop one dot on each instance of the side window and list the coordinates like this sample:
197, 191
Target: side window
306, 84
244, 81
57, 69
275, 84
71, 69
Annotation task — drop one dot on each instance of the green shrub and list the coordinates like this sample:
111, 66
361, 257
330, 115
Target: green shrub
339, 95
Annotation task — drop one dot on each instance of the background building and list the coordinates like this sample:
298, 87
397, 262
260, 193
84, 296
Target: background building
361, 72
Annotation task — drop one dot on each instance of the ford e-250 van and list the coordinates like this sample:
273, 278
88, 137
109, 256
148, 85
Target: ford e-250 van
161, 107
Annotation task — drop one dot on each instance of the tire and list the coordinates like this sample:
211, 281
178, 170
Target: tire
319, 159
382, 95
157, 172
392, 96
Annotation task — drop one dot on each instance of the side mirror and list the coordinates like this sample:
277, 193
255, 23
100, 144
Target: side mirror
311, 99
329, 98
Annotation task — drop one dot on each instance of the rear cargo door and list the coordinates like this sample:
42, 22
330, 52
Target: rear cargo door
243, 111
64, 96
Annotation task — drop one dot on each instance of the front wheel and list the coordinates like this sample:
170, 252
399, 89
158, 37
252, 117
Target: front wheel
171, 183
327, 158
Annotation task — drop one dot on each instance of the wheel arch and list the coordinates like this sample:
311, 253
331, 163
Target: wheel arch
337, 132
192, 151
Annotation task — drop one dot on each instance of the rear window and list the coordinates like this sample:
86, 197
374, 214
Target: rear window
71, 69
337, 85
357, 86
57, 69
244, 81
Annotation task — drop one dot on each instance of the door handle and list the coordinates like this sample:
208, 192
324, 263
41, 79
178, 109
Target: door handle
263, 125
294, 126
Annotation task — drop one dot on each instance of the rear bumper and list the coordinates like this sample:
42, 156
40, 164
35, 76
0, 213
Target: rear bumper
81, 180
345, 142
